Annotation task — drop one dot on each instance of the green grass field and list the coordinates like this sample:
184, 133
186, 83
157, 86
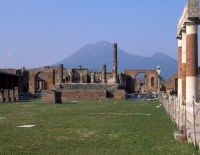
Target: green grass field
88, 128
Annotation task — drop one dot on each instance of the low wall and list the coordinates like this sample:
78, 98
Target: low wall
83, 95
120, 95
110, 88
49, 96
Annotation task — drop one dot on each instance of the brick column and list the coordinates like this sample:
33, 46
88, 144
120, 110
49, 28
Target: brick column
115, 63
104, 74
61, 73
191, 62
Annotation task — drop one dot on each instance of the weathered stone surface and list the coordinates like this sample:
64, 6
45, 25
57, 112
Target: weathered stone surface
178, 136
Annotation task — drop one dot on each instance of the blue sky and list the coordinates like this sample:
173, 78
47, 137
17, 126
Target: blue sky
35, 33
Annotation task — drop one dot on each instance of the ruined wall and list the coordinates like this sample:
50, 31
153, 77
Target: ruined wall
110, 88
122, 80
83, 95
120, 95
165, 85
130, 79
77, 73
109, 77
174, 82
9, 70
49, 96
48, 77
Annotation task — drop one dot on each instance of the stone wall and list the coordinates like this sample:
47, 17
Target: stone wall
9, 95
83, 95
49, 96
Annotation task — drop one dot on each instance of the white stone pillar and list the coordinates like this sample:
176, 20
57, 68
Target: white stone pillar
92, 77
183, 66
191, 62
180, 69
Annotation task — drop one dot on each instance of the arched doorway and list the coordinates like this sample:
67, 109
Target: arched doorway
40, 81
140, 83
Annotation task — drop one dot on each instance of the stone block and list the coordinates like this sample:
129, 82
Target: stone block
2, 99
16, 93
6, 99
16, 99
11, 93
178, 136
6, 93
12, 99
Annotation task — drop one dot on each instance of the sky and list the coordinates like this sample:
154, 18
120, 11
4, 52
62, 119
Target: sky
36, 33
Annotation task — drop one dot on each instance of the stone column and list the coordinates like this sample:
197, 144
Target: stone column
180, 95
191, 62
115, 63
81, 78
92, 77
104, 74
61, 73
158, 70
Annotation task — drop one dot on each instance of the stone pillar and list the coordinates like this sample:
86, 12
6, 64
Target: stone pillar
61, 73
158, 70
92, 77
71, 78
81, 78
115, 63
40, 84
104, 74
180, 95
191, 62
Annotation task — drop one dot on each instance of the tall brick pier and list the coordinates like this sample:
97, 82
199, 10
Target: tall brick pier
115, 63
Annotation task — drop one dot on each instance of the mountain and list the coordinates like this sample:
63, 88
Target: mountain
93, 56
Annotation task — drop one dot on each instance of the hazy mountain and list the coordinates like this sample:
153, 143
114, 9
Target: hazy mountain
93, 56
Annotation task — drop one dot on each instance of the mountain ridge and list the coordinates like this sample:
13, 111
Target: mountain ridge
93, 56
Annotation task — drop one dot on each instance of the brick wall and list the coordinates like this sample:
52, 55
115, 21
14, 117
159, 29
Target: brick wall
131, 74
191, 55
49, 96
119, 95
84, 95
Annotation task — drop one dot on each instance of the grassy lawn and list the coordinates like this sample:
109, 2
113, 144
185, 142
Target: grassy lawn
88, 127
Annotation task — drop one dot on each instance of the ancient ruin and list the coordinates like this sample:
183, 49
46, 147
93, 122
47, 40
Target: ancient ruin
81, 83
